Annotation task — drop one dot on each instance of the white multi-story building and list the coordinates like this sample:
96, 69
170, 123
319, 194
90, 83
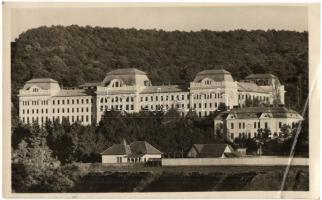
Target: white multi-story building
245, 122
130, 90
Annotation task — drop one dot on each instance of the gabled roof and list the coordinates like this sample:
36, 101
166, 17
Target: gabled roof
211, 150
135, 149
217, 75
164, 89
250, 87
140, 148
116, 149
261, 76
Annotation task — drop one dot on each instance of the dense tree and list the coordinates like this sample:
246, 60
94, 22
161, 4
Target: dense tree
73, 55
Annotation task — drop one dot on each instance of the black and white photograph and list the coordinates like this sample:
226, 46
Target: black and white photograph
161, 98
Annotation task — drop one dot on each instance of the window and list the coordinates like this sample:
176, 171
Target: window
132, 107
67, 101
279, 124
239, 125
254, 124
86, 100
72, 101
232, 136
266, 125
63, 102
82, 101
77, 101
259, 125
58, 102
232, 126
53, 102
53, 110
243, 125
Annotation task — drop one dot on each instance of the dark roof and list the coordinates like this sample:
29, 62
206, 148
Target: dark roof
74, 92
42, 80
214, 74
256, 112
135, 149
116, 149
126, 71
43, 83
127, 75
250, 87
140, 148
164, 89
211, 150
261, 76
93, 84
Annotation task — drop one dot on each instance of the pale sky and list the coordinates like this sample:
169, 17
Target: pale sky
166, 18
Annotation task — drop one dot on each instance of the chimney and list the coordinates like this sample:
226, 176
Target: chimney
124, 142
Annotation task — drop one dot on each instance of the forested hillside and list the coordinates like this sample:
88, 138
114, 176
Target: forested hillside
73, 55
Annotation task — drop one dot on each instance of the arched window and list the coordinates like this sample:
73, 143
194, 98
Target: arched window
101, 100
105, 100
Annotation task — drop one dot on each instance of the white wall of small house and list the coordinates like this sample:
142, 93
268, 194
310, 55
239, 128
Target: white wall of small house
112, 159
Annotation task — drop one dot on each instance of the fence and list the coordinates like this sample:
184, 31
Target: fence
255, 161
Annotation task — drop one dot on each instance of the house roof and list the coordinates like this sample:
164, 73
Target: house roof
256, 112
140, 148
135, 149
261, 76
250, 87
214, 74
164, 89
43, 83
211, 150
126, 71
74, 92
116, 149
92, 84
127, 75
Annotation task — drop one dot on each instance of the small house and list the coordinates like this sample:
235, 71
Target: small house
211, 151
136, 152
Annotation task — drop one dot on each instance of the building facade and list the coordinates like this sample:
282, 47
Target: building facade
130, 90
245, 122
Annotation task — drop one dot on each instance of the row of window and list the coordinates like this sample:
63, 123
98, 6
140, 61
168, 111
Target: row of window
260, 98
72, 101
117, 107
117, 99
164, 98
256, 125
208, 96
43, 119
57, 110
35, 102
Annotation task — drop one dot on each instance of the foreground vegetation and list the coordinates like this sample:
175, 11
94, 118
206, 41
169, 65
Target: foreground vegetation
98, 178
